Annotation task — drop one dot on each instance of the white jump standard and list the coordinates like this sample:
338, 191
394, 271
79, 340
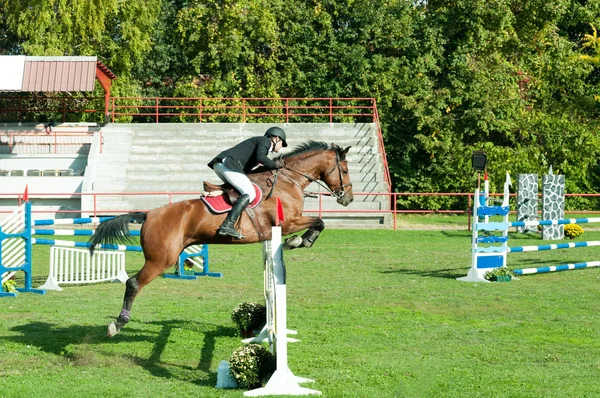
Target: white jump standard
15, 249
488, 258
283, 381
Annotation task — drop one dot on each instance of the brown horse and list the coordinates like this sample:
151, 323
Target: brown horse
169, 229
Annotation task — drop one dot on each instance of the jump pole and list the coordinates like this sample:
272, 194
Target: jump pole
533, 223
283, 381
189, 254
556, 268
556, 246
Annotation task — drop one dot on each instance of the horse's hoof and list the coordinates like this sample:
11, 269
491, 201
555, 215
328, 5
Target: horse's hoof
292, 243
112, 330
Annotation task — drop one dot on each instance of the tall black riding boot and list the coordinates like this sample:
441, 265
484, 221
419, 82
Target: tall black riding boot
227, 228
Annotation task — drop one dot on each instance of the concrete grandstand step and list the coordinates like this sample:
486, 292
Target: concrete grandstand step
205, 157
177, 173
357, 186
226, 142
173, 158
333, 205
208, 148
195, 184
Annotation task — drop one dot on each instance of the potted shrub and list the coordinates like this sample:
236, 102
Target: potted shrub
10, 286
251, 365
500, 274
249, 317
573, 230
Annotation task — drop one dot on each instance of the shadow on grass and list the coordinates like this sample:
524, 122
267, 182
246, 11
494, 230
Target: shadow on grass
157, 368
57, 340
448, 273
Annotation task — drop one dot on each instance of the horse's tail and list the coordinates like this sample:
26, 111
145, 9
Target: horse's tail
115, 230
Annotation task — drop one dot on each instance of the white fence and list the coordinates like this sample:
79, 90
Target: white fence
72, 266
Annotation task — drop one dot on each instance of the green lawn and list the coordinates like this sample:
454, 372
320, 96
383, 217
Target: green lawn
379, 313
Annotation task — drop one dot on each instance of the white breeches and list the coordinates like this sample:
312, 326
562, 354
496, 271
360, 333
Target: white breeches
239, 180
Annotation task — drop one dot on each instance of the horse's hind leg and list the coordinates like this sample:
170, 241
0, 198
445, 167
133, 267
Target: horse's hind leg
133, 286
131, 290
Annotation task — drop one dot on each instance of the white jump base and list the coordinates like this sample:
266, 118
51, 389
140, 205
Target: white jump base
76, 266
283, 381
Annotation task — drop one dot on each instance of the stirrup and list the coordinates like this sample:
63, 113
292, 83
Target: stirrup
225, 231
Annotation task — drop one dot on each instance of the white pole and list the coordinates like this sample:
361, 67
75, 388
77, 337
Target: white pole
283, 381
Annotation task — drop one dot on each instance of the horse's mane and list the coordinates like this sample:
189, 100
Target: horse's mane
305, 147
308, 146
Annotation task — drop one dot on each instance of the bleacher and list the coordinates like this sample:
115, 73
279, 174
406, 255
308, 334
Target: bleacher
50, 161
173, 158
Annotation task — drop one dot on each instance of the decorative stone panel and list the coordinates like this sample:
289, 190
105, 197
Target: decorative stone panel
527, 200
553, 205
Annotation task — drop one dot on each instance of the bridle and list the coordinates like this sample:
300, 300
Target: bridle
337, 193
341, 192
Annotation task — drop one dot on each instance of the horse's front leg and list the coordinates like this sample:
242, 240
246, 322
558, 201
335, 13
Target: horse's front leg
315, 226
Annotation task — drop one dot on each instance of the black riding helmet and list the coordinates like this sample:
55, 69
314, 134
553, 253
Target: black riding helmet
277, 132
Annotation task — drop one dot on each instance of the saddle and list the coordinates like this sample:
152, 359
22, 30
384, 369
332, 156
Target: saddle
220, 198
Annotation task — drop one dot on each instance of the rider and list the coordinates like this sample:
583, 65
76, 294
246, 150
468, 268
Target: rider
233, 164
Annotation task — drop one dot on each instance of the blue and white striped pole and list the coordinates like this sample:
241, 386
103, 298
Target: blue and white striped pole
68, 243
556, 246
70, 232
554, 222
556, 268
70, 221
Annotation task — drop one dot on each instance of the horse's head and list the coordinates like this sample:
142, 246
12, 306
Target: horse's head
337, 178
314, 160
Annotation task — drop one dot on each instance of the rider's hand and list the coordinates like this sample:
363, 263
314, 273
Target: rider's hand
280, 163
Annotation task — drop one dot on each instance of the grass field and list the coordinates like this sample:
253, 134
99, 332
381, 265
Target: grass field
379, 313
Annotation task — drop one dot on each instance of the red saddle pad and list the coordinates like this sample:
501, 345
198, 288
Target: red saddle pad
222, 204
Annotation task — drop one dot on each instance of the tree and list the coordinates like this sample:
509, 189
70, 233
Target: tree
118, 32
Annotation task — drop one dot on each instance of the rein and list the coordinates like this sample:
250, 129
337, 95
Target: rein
338, 193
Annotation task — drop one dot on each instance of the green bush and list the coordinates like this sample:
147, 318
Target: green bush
500, 271
249, 316
251, 365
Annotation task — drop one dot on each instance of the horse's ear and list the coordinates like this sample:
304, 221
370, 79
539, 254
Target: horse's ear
344, 152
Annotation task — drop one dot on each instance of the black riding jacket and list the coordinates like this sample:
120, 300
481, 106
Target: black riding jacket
247, 154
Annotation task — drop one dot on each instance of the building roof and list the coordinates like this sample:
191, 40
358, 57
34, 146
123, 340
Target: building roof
50, 74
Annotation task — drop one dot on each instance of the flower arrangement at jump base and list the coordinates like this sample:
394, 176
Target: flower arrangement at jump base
249, 317
573, 230
500, 274
251, 365
10, 286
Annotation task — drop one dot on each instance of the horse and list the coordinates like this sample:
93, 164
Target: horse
167, 230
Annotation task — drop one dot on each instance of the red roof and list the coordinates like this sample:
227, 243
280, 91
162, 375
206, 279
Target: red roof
43, 74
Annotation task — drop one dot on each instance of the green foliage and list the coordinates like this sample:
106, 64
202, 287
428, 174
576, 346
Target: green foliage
249, 316
516, 79
498, 272
10, 286
251, 365
118, 32
402, 281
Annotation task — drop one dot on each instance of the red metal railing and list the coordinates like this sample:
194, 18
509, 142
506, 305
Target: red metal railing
251, 109
200, 110
170, 197
386, 169
41, 142
21, 108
